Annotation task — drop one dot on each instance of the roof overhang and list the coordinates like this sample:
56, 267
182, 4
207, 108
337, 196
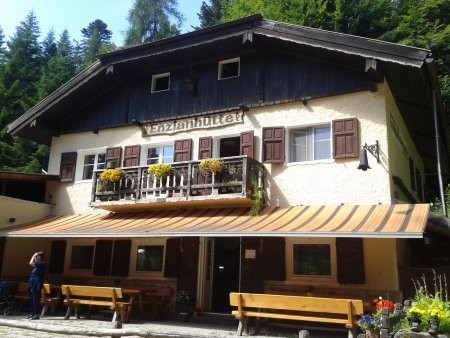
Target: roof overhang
363, 221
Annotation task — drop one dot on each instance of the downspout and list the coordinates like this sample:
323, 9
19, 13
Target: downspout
438, 153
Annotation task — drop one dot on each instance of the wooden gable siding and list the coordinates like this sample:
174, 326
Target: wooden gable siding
263, 79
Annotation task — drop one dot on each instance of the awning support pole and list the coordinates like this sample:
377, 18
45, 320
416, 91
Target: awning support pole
438, 156
240, 262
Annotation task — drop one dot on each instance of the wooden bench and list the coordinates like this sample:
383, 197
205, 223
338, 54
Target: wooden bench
47, 299
156, 297
308, 309
76, 295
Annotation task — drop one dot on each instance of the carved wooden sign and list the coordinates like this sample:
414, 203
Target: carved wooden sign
191, 123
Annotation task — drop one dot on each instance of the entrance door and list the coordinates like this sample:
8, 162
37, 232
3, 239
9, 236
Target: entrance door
225, 273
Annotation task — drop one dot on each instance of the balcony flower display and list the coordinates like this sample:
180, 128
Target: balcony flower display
112, 175
160, 170
212, 165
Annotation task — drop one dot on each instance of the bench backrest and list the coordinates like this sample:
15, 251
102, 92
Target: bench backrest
73, 291
297, 303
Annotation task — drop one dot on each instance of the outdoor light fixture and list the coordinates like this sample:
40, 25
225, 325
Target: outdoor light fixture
374, 149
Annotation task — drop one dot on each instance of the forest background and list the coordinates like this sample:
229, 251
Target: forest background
32, 66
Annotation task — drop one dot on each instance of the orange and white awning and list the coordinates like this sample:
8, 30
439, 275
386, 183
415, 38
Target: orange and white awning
377, 221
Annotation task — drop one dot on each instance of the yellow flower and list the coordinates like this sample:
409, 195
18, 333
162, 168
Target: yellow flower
160, 170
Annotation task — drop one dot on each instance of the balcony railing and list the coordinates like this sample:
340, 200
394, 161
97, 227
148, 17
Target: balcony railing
240, 177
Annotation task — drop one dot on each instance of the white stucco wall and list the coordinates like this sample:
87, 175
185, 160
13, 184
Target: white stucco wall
324, 182
22, 211
401, 148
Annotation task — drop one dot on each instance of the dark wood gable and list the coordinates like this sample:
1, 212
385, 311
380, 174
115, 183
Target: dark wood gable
279, 78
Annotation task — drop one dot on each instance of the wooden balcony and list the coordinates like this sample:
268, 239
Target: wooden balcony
187, 186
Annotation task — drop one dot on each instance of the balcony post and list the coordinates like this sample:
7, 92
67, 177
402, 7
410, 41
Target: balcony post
139, 184
189, 181
245, 170
94, 186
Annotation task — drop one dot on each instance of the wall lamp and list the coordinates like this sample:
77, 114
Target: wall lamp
374, 149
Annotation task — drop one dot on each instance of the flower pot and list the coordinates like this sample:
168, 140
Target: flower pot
414, 326
372, 334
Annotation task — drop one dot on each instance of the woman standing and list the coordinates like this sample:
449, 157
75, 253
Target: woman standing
35, 284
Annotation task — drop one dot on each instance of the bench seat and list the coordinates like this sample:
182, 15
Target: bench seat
309, 309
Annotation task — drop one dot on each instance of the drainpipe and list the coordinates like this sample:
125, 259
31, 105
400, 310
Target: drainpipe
438, 153
240, 263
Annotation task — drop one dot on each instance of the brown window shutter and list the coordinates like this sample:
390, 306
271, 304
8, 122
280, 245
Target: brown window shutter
205, 147
102, 258
345, 138
247, 143
131, 156
121, 258
113, 155
171, 258
67, 168
182, 150
273, 144
274, 258
350, 260
57, 256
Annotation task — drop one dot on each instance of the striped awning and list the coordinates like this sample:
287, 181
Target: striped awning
395, 221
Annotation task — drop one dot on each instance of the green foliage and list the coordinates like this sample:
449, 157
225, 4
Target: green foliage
431, 307
97, 38
211, 14
150, 21
437, 204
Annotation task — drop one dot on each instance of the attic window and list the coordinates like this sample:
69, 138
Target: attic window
160, 82
229, 68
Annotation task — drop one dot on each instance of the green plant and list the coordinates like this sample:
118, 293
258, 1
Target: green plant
212, 165
431, 308
160, 170
257, 198
184, 296
370, 321
437, 204
112, 175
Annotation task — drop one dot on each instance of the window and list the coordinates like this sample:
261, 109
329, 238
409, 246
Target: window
311, 258
229, 68
149, 258
81, 257
310, 144
161, 154
160, 82
92, 162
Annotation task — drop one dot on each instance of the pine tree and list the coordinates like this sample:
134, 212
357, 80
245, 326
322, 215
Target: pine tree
211, 14
150, 21
19, 78
96, 39
2, 48
49, 48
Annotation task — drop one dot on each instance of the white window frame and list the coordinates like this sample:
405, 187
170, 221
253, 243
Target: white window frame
224, 62
82, 153
155, 78
78, 242
133, 259
291, 241
288, 145
146, 147
216, 143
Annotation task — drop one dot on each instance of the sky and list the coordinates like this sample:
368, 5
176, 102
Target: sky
77, 14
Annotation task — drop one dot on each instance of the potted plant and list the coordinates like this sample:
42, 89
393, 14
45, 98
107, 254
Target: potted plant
370, 324
112, 175
184, 298
213, 166
160, 170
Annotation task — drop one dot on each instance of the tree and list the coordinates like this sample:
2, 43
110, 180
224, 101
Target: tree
97, 38
100, 28
150, 21
2, 48
211, 14
19, 78
49, 48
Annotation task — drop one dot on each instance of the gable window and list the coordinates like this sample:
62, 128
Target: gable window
160, 154
92, 162
310, 144
160, 82
229, 68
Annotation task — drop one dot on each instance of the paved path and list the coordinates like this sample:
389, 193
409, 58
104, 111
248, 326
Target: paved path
56, 327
